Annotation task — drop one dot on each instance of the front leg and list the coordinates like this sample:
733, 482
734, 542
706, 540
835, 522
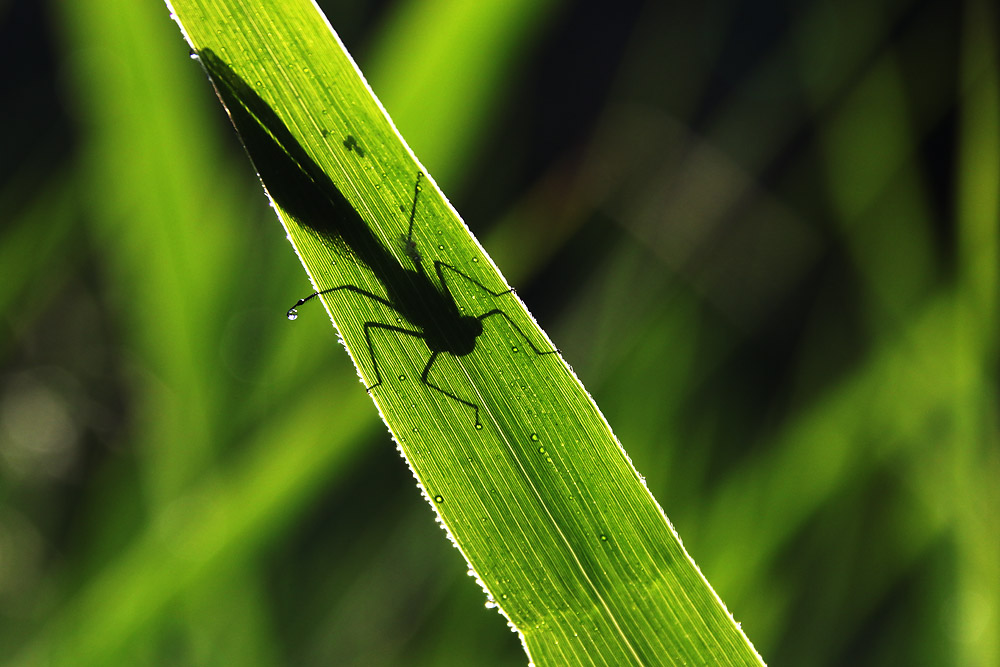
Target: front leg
439, 267
293, 313
497, 311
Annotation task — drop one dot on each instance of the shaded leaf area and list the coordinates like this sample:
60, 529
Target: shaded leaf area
765, 237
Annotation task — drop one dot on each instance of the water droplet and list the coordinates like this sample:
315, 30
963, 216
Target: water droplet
479, 427
416, 430
604, 538
534, 437
475, 260
439, 499
293, 314
402, 377
440, 246
541, 450
513, 348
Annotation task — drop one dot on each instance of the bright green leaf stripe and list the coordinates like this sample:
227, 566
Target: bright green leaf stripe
542, 501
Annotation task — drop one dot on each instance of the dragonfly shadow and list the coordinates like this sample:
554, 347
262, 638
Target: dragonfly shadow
420, 296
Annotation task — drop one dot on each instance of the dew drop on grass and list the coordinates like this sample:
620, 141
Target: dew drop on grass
293, 314
479, 427
439, 499
604, 538
513, 348
402, 377
534, 437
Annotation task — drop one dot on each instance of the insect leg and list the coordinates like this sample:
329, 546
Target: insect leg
497, 311
439, 266
426, 381
413, 208
293, 313
409, 245
371, 348
439, 269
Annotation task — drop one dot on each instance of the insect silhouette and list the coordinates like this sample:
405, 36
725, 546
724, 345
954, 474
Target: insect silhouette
303, 190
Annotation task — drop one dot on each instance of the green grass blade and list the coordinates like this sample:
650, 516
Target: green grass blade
508, 447
437, 65
972, 489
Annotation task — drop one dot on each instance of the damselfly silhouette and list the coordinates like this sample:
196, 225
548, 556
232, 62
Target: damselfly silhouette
303, 190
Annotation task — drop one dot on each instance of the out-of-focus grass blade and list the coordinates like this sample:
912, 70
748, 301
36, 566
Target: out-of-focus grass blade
971, 489
440, 61
39, 235
539, 496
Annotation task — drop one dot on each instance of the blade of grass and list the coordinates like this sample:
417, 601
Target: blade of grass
975, 465
541, 500
40, 235
438, 63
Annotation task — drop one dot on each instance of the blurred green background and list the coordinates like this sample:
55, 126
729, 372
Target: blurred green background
763, 233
